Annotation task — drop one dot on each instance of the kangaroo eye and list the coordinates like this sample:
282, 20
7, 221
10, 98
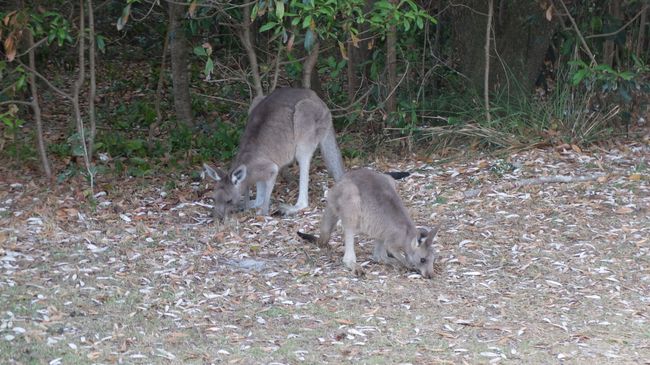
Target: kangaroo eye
423, 260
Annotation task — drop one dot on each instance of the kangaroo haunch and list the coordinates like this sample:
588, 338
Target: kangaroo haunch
367, 202
287, 125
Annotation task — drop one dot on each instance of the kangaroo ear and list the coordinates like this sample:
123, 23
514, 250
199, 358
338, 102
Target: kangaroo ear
426, 236
238, 175
215, 174
431, 235
422, 236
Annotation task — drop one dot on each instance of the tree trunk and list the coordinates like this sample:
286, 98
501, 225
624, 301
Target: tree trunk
76, 89
247, 42
93, 83
309, 65
42, 150
391, 65
358, 55
522, 37
178, 47
153, 127
640, 41
486, 78
353, 78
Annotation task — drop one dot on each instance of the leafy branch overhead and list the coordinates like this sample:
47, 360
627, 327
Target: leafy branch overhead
49, 24
335, 20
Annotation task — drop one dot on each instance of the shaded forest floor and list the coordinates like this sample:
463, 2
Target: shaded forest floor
540, 274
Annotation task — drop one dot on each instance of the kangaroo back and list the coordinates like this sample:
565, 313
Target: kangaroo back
269, 132
287, 125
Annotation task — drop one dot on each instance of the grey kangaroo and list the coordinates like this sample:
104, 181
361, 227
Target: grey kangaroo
287, 125
367, 202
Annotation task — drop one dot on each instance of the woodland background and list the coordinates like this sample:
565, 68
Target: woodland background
150, 84
523, 123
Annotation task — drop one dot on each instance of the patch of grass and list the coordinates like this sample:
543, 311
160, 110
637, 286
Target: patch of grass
641, 167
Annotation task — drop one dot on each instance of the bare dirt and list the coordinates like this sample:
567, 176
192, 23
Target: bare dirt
549, 273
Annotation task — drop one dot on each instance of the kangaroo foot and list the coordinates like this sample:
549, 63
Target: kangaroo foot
290, 209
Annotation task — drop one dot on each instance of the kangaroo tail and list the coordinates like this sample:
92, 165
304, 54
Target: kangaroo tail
307, 237
332, 155
398, 174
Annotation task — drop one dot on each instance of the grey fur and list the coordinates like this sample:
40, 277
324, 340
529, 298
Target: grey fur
287, 125
367, 202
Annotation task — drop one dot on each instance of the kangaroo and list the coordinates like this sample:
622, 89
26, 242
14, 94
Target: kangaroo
287, 125
367, 202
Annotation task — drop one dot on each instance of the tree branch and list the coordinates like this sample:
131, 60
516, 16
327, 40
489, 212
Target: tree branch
20, 102
621, 28
577, 30
31, 47
47, 82
534, 181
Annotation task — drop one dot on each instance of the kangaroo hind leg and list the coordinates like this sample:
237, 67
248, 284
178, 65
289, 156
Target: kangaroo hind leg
304, 153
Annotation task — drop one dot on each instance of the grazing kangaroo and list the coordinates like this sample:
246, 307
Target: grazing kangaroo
288, 124
367, 202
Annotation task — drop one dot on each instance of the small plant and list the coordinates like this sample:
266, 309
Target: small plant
11, 121
501, 167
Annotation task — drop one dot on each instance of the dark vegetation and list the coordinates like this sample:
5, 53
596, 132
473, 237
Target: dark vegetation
169, 84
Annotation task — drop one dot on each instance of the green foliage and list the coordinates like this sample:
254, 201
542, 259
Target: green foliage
221, 144
501, 167
11, 120
604, 79
405, 16
332, 67
205, 51
137, 114
336, 20
101, 43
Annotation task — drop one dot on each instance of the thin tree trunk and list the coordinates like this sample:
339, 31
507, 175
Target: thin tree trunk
609, 47
179, 61
486, 80
391, 64
309, 65
159, 88
436, 52
640, 41
276, 74
353, 78
93, 84
247, 42
42, 150
75, 95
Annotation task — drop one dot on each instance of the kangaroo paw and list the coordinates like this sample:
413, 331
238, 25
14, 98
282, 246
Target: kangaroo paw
387, 260
290, 209
323, 244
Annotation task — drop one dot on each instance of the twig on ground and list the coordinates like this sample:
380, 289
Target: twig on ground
533, 181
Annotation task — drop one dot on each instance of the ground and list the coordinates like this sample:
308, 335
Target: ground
545, 273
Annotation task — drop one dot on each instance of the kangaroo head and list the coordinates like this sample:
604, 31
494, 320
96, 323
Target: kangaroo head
420, 254
227, 193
